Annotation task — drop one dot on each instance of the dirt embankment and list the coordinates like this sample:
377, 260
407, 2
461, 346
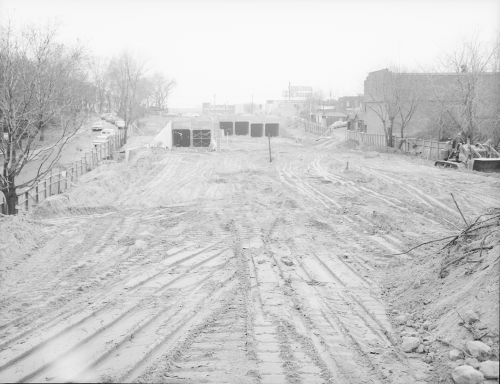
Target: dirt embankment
205, 267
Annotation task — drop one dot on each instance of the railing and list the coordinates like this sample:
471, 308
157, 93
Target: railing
366, 138
311, 127
427, 148
59, 182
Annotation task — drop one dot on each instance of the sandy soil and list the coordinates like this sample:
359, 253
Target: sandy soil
199, 267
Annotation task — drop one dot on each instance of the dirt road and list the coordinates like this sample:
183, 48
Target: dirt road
225, 268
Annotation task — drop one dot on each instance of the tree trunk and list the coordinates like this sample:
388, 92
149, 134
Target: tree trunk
40, 129
401, 141
11, 199
389, 133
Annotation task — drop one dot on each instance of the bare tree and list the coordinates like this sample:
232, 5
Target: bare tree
394, 96
467, 89
314, 101
99, 69
126, 72
40, 83
162, 87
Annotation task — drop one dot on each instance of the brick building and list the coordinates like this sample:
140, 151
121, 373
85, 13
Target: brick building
439, 93
349, 104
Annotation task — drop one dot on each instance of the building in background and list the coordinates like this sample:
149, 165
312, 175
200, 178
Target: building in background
349, 104
293, 103
218, 109
297, 93
442, 99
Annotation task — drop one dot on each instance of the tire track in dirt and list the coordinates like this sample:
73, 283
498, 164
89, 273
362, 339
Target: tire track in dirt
363, 311
285, 344
280, 357
161, 321
325, 332
29, 351
316, 194
257, 287
219, 338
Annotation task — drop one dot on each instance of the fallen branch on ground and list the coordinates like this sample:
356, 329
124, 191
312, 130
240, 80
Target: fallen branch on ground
411, 249
459, 210
453, 345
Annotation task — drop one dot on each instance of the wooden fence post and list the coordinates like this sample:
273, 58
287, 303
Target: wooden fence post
59, 183
36, 190
26, 197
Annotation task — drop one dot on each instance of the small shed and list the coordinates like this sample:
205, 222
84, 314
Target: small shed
356, 122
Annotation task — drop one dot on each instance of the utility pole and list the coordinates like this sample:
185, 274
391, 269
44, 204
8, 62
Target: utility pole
270, 158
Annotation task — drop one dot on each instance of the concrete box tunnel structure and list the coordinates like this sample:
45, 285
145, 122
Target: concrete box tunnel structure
181, 137
272, 129
227, 126
198, 134
202, 137
192, 133
253, 129
241, 128
256, 129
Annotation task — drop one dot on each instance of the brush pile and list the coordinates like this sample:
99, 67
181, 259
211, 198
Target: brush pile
481, 235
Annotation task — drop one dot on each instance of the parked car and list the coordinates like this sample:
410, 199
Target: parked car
108, 132
339, 124
120, 124
97, 125
170, 114
110, 118
104, 115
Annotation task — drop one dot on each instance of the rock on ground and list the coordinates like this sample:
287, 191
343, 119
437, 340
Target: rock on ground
410, 343
472, 362
465, 374
287, 262
478, 349
456, 354
490, 369
471, 317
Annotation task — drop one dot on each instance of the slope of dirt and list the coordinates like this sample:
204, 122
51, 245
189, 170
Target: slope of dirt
200, 267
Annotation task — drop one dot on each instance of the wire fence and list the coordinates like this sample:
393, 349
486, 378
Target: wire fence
427, 148
59, 182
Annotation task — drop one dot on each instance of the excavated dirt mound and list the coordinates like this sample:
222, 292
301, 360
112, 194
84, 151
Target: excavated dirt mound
98, 191
432, 294
349, 144
20, 236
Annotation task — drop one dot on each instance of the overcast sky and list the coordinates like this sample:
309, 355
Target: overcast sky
234, 49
